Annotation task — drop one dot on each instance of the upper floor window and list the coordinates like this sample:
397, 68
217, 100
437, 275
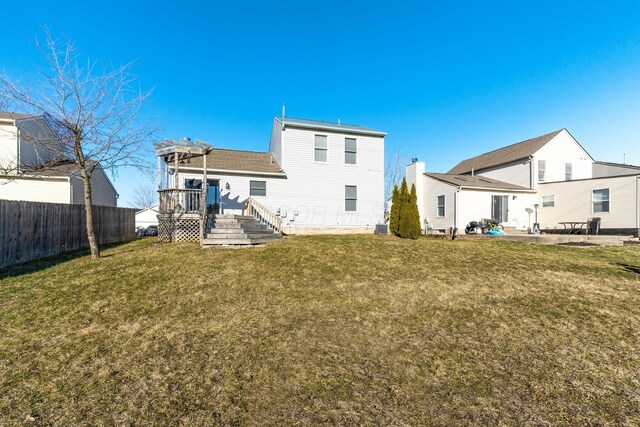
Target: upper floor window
441, 210
568, 171
350, 150
350, 198
320, 148
600, 200
542, 166
257, 188
548, 201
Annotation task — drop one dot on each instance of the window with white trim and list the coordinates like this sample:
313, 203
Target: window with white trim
600, 200
257, 188
320, 148
548, 201
441, 210
350, 151
542, 169
568, 171
350, 198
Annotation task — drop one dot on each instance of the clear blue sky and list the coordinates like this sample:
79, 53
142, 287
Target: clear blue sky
445, 81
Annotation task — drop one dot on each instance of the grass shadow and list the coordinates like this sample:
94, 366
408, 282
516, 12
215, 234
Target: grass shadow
630, 268
51, 261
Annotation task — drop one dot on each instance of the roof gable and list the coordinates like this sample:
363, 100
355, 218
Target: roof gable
504, 155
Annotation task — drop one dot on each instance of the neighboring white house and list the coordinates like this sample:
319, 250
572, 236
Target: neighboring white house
146, 217
551, 175
320, 177
26, 171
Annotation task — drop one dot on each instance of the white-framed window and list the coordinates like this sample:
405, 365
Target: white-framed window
548, 201
257, 188
568, 171
542, 170
350, 198
350, 151
600, 200
441, 210
320, 148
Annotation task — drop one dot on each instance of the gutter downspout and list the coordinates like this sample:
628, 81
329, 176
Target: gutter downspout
531, 175
455, 207
638, 205
18, 155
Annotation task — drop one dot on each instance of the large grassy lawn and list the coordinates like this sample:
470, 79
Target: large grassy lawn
342, 330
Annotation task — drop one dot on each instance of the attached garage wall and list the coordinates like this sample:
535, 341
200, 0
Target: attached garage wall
573, 203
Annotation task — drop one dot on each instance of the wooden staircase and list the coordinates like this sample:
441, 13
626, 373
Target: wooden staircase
236, 230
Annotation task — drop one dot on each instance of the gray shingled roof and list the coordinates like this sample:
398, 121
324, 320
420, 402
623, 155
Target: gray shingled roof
15, 116
504, 155
317, 124
237, 160
619, 165
66, 168
475, 181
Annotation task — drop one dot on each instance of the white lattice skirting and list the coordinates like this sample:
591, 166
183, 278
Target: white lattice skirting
178, 229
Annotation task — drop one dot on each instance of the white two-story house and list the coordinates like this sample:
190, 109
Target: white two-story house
318, 177
549, 179
28, 171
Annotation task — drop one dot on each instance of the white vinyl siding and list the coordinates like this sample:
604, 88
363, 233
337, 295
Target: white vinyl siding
258, 188
350, 151
518, 173
350, 198
474, 205
432, 189
548, 201
316, 190
36, 190
600, 200
441, 206
320, 148
574, 202
560, 151
102, 193
35, 136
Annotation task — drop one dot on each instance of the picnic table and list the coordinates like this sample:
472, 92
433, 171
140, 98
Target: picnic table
574, 227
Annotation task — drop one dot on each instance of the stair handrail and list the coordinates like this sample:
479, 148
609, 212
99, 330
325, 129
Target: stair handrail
264, 215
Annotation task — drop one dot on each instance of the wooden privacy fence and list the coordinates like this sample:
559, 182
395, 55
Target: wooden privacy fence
33, 230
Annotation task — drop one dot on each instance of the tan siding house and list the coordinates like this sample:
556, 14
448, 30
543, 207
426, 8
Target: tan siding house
27, 170
552, 173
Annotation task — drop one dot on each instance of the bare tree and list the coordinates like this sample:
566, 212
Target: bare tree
144, 196
93, 110
393, 173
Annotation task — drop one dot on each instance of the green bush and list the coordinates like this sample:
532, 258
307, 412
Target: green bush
410, 216
394, 214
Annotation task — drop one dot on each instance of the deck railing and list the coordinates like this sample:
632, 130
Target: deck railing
182, 201
264, 215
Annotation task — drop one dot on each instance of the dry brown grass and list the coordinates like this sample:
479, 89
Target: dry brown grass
342, 330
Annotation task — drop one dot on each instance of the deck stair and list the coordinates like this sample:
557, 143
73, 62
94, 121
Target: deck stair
236, 230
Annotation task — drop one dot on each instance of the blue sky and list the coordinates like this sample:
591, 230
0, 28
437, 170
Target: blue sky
445, 81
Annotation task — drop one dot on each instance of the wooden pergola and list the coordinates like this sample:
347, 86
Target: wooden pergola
182, 212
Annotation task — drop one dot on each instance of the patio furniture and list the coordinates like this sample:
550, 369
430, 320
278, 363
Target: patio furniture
593, 225
573, 227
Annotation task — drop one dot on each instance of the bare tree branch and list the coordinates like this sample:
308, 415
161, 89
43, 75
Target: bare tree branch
144, 196
393, 172
94, 111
